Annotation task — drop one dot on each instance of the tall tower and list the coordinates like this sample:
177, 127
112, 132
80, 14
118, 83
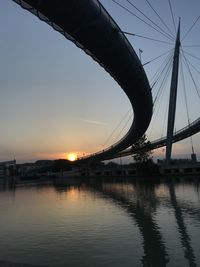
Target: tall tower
173, 95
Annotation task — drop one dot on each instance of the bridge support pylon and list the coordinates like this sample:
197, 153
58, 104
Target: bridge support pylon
173, 96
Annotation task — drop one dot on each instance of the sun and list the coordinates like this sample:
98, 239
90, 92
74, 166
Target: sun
72, 156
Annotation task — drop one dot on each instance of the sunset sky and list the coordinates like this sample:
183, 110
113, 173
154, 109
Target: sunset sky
56, 100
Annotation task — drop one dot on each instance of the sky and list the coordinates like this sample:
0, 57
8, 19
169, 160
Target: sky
56, 100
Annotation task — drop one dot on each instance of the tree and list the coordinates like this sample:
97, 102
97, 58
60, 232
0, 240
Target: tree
62, 165
141, 155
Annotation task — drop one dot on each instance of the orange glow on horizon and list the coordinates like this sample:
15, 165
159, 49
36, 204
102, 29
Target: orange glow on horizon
72, 156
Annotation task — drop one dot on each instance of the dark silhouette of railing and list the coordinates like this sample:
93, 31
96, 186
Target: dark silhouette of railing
183, 133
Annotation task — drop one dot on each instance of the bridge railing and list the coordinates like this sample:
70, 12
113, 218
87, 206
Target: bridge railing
155, 144
197, 121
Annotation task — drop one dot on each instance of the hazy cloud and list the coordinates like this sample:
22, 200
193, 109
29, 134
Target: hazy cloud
94, 122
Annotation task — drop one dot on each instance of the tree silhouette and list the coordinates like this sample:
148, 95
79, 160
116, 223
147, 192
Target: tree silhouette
140, 154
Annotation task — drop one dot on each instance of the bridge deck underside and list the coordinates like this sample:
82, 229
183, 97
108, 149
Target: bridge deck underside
90, 27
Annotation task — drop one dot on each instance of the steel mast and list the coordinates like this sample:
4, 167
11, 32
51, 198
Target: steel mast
173, 96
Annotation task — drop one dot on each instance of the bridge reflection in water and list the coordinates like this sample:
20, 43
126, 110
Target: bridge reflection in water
107, 222
140, 201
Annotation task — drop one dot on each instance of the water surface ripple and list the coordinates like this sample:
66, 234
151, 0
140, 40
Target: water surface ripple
101, 223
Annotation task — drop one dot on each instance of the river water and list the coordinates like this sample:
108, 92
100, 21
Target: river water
101, 223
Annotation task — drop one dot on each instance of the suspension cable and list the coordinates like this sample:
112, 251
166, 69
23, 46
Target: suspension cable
159, 17
130, 12
116, 128
191, 63
163, 82
189, 70
158, 97
194, 67
164, 121
191, 55
191, 45
184, 90
186, 103
190, 28
159, 70
158, 78
149, 18
172, 14
191, 141
156, 58
149, 38
160, 93
129, 118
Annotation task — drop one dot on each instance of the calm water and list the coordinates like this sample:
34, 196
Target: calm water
101, 224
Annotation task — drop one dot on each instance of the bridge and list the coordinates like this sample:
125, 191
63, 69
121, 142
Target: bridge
182, 134
89, 26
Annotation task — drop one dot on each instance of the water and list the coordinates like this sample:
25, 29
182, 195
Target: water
101, 224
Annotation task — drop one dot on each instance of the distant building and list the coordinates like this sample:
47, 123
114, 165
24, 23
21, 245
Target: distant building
34, 167
180, 166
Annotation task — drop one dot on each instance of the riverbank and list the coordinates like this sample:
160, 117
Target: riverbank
78, 180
